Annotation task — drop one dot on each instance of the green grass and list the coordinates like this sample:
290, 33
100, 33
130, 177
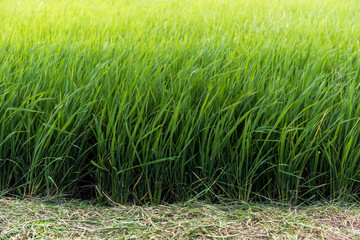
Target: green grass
165, 101
48, 219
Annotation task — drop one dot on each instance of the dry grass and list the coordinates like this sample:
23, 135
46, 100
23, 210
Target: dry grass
42, 219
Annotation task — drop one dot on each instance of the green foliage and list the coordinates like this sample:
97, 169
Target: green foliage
174, 100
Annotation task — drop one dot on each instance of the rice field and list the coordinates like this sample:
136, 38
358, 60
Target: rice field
165, 101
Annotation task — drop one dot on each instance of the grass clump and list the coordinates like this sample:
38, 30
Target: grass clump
168, 101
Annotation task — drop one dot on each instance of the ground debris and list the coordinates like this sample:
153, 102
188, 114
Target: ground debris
36, 218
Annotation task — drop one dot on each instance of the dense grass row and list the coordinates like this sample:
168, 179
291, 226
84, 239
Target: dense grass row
172, 100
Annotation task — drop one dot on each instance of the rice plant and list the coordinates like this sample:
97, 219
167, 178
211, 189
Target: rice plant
165, 101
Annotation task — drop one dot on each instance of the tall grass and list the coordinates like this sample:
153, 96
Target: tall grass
153, 101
